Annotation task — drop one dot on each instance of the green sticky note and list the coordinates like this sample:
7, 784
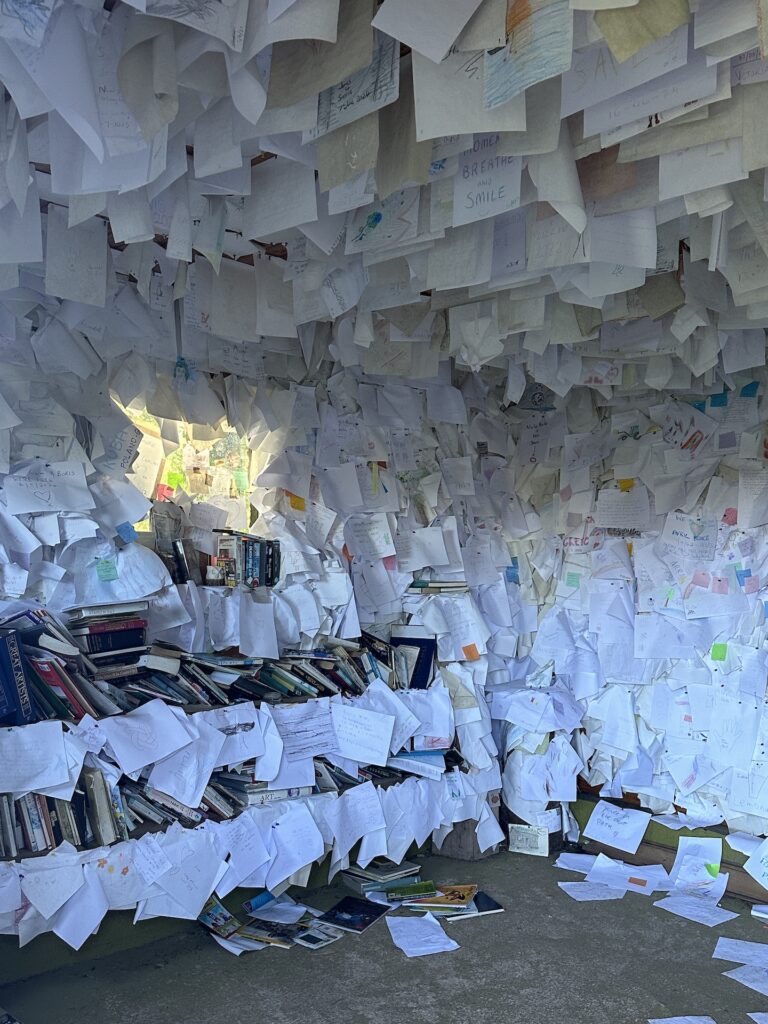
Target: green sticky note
175, 480
719, 652
713, 869
106, 569
573, 579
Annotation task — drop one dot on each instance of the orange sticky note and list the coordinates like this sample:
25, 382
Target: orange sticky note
471, 652
297, 503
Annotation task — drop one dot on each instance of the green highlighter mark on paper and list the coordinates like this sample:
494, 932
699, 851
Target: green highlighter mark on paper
713, 869
719, 652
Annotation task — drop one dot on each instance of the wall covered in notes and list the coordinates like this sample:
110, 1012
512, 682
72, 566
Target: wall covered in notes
474, 298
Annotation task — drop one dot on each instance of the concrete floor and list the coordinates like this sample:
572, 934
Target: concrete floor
547, 959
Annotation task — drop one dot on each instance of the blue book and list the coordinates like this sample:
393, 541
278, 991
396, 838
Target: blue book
16, 706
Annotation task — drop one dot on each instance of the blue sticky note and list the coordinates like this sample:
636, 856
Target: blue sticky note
743, 574
749, 390
701, 406
512, 572
126, 532
718, 401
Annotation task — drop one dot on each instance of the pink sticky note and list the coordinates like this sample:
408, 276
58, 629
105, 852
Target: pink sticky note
701, 579
730, 516
390, 562
751, 584
720, 585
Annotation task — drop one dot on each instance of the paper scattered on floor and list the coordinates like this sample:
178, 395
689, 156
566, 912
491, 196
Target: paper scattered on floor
582, 862
419, 936
755, 978
696, 909
682, 1020
587, 891
643, 879
742, 952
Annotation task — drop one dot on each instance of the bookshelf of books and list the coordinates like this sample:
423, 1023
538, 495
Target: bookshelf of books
137, 773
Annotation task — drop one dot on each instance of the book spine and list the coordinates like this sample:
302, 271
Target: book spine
118, 812
268, 796
98, 807
60, 817
36, 822
250, 573
30, 843
45, 817
7, 824
79, 816
13, 678
106, 672
110, 627
101, 611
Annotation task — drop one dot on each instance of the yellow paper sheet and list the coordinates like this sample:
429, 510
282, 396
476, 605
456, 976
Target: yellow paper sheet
628, 30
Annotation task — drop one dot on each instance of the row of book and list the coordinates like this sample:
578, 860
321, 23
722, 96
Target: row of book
240, 559
100, 664
100, 814
244, 559
34, 823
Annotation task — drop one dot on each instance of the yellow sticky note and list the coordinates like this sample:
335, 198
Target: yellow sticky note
626, 485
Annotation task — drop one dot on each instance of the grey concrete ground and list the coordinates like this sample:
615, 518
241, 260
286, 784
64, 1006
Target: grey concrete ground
546, 960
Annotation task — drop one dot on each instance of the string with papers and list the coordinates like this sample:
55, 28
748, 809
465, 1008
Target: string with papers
481, 288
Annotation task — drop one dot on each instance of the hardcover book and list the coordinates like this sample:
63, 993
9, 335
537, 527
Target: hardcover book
16, 706
352, 914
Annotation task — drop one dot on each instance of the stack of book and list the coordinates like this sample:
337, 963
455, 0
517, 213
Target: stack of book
242, 790
45, 674
379, 875
452, 902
